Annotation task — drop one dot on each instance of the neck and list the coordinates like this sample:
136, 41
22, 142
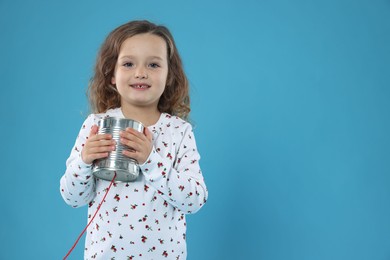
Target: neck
146, 115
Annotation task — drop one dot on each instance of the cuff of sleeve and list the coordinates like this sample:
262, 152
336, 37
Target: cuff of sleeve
82, 164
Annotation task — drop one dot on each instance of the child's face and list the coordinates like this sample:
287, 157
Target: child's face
141, 71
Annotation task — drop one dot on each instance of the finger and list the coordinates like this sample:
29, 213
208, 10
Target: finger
148, 134
101, 148
131, 141
133, 145
100, 137
104, 137
96, 156
136, 155
89, 155
99, 145
134, 133
132, 154
96, 152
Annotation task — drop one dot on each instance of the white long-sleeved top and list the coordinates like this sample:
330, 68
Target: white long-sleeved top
144, 219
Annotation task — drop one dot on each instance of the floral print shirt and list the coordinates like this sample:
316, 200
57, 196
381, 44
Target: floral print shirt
144, 219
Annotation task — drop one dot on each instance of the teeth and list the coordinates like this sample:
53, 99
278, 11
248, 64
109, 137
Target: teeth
140, 86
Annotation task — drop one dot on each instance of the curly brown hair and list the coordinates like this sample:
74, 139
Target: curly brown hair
103, 95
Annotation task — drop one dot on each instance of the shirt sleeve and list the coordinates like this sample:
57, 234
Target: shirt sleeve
179, 180
77, 185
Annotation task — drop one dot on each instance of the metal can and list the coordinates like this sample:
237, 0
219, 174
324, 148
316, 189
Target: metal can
126, 169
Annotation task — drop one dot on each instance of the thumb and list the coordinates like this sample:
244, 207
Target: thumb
94, 130
148, 134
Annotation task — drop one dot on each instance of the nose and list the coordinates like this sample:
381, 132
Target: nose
141, 73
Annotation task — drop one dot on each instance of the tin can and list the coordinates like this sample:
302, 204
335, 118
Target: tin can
126, 169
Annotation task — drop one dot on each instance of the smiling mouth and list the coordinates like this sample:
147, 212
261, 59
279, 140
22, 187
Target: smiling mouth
140, 86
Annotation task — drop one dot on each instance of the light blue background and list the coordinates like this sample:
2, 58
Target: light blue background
291, 104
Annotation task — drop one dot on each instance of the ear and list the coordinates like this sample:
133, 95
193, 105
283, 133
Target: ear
113, 81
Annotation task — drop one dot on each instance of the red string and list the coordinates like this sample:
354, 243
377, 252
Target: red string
97, 210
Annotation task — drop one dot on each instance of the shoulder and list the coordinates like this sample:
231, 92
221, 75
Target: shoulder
175, 123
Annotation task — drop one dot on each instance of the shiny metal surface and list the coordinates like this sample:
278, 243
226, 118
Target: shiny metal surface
126, 168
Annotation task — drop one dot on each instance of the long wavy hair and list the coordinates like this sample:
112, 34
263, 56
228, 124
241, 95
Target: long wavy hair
103, 95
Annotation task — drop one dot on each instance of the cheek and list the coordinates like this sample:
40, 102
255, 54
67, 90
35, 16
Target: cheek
114, 76
165, 79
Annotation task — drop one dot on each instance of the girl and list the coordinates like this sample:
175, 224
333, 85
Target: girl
138, 75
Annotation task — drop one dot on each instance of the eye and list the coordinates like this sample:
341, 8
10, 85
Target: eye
128, 64
154, 65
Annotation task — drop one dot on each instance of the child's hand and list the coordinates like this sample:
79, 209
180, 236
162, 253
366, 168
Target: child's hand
97, 146
141, 143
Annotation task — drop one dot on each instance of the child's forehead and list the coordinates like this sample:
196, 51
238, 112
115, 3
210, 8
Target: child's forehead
144, 41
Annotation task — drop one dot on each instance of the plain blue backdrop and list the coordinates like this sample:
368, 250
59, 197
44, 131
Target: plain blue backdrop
291, 106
